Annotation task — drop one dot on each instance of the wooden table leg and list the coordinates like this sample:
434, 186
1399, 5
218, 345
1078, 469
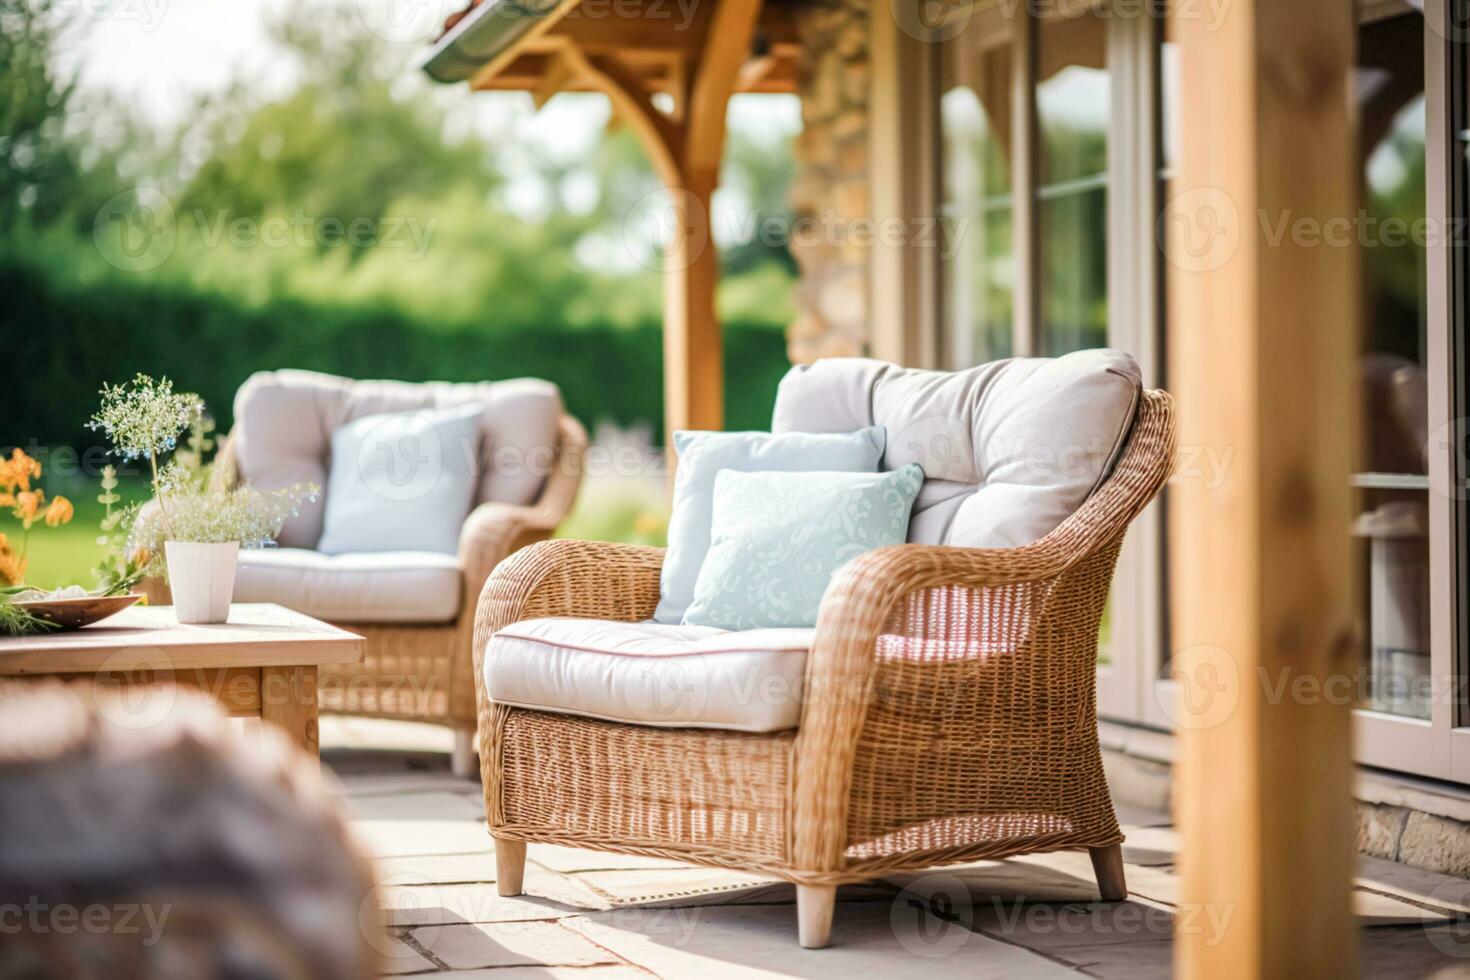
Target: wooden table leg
288, 699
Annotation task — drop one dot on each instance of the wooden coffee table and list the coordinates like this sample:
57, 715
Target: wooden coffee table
261, 664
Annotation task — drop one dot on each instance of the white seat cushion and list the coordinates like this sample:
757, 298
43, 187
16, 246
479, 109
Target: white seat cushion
651, 673
364, 587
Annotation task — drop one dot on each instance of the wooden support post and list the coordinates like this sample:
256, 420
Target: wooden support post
685, 148
288, 700
694, 360
1263, 362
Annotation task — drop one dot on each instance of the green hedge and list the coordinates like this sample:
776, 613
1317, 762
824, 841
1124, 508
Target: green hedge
63, 339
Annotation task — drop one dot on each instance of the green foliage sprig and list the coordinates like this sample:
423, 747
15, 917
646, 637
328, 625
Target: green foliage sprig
143, 419
15, 621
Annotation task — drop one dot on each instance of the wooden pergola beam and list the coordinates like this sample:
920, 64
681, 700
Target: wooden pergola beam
701, 68
726, 48
659, 25
1264, 366
662, 139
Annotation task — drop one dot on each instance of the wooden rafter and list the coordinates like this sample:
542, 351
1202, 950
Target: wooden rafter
542, 26
657, 41
726, 48
557, 76
662, 139
638, 54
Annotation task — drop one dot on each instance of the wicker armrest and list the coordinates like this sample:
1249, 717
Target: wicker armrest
591, 579
494, 530
920, 650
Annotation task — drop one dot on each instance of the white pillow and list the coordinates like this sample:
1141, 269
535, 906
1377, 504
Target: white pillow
403, 481
702, 455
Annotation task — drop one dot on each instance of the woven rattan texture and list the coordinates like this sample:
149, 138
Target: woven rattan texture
949, 708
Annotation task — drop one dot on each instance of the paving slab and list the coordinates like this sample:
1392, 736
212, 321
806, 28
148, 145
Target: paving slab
353, 732
1123, 961
869, 939
400, 957
1415, 884
1010, 879
545, 899
548, 973
383, 780
440, 869
1150, 845
1441, 952
1163, 886
403, 838
479, 946
559, 858
1053, 926
1378, 909
434, 804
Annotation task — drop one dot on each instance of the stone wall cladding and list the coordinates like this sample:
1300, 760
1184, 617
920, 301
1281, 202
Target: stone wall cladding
1388, 830
831, 187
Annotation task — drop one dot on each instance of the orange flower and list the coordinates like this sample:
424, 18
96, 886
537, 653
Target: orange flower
16, 473
59, 512
12, 569
28, 505
141, 556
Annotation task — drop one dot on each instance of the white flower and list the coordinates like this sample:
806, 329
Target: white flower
143, 418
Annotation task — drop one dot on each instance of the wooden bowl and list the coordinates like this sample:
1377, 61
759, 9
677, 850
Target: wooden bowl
71, 614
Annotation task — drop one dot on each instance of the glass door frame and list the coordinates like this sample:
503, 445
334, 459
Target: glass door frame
1126, 682
1133, 686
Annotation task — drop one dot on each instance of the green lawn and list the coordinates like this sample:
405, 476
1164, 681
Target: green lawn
68, 554
608, 509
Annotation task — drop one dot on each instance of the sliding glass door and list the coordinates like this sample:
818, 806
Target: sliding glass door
1059, 131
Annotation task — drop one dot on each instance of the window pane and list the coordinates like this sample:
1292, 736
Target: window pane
1072, 109
1392, 524
976, 187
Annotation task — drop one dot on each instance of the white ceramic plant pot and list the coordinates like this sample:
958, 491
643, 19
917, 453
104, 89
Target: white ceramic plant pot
202, 577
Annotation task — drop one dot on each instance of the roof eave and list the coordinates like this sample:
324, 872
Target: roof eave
485, 32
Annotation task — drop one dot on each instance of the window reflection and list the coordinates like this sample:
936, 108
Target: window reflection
979, 275
1073, 94
1392, 524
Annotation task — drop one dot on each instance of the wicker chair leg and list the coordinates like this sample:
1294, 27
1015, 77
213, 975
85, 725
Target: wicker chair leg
814, 906
1107, 865
510, 866
463, 761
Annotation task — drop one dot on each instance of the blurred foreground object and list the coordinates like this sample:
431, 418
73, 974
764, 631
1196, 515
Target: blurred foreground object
174, 849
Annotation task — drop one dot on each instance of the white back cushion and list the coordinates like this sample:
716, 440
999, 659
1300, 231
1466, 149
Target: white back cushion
284, 422
1009, 449
402, 481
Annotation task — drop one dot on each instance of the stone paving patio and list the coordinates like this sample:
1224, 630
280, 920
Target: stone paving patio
597, 916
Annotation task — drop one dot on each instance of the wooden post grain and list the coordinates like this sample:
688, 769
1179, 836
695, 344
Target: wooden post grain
1263, 346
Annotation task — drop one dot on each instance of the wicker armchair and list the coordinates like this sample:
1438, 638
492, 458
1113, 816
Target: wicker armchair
949, 714
421, 672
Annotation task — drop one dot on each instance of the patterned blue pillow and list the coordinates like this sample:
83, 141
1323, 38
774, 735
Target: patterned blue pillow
778, 538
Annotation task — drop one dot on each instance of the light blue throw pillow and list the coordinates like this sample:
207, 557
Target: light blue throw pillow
402, 481
778, 538
704, 455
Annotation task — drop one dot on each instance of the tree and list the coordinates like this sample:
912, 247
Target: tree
43, 179
345, 144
